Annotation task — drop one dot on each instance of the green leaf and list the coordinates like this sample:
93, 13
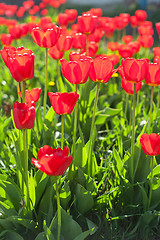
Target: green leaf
13, 235
65, 195
144, 197
12, 193
84, 199
83, 235
41, 236
48, 232
32, 193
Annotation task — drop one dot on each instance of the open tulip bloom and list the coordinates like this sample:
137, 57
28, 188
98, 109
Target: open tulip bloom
53, 162
150, 144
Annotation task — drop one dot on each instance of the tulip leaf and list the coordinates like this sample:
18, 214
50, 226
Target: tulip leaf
12, 193
13, 235
41, 236
65, 195
84, 200
85, 234
3, 129
32, 190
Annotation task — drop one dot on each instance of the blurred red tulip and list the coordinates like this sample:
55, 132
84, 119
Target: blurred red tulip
87, 23
62, 19
79, 41
64, 43
32, 95
141, 15
125, 50
153, 75
113, 46
146, 41
55, 53
72, 15
134, 21
127, 39
6, 39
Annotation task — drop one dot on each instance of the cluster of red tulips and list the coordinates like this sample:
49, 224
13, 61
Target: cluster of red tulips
83, 40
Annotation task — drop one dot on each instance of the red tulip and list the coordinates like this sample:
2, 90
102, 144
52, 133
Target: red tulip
21, 64
6, 39
125, 50
32, 95
5, 51
87, 23
96, 35
101, 69
96, 12
15, 31
135, 70
156, 51
76, 72
146, 41
79, 41
28, 4
64, 43
158, 28
72, 15
113, 46
135, 46
150, 144
92, 49
62, 19
24, 115
46, 38
63, 103
55, 53
141, 15
114, 58
53, 162
127, 39
126, 85
74, 56
153, 75
134, 21
145, 30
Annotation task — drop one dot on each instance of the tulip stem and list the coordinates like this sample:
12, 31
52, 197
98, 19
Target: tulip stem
59, 212
62, 132
150, 112
133, 132
158, 101
126, 106
75, 128
19, 99
46, 84
91, 133
150, 190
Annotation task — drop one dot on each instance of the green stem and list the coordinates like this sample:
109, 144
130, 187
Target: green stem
19, 99
46, 84
59, 212
150, 190
133, 131
158, 101
62, 133
150, 112
75, 127
126, 106
91, 133
130, 117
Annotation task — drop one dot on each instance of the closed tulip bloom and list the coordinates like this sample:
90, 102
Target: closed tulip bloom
72, 15
126, 85
145, 30
114, 58
141, 15
135, 46
64, 43
32, 95
87, 23
53, 162
76, 72
156, 51
79, 41
63, 103
135, 70
15, 31
125, 50
153, 75
62, 19
74, 56
46, 38
150, 144
101, 69
21, 64
134, 21
158, 27
113, 46
92, 49
127, 39
24, 115
54, 53
6, 39
146, 41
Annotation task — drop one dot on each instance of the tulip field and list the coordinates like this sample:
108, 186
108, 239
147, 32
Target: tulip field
79, 125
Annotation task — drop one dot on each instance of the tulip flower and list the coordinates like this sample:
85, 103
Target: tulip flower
127, 39
63, 103
126, 85
87, 23
64, 43
101, 69
153, 75
53, 162
150, 144
32, 95
6, 39
46, 38
141, 15
54, 53
146, 41
24, 115
113, 46
72, 15
4, 53
76, 72
125, 50
21, 64
62, 19
135, 70
79, 41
